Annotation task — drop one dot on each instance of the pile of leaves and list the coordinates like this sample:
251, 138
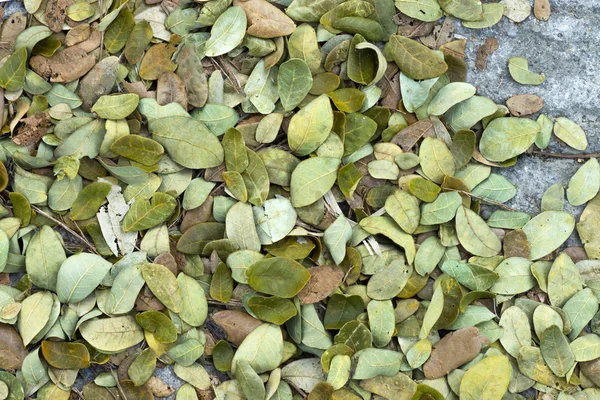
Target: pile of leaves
282, 200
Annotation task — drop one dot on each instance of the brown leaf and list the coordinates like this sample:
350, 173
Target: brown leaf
457, 68
541, 9
140, 89
591, 369
390, 92
577, 253
93, 41
99, 81
236, 324
146, 301
168, 261
56, 13
190, 70
484, 51
265, 20
454, 350
524, 104
171, 89
159, 388
441, 34
515, 244
324, 279
455, 48
64, 66
410, 135
411, 27
157, 60
13, 352
203, 213
137, 392
11, 28
33, 129
78, 34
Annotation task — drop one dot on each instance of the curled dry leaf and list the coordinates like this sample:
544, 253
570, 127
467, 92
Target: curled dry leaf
265, 20
64, 66
484, 51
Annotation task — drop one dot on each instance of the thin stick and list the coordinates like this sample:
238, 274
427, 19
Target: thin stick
484, 199
66, 227
560, 155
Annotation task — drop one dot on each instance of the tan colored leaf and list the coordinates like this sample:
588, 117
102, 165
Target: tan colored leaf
324, 279
64, 66
265, 20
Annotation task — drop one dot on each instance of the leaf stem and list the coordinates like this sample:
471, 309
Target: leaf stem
485, 200
561, 155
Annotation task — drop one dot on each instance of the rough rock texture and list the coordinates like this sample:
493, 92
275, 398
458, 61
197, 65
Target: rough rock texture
566, 48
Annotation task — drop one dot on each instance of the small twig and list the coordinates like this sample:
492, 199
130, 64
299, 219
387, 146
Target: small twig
484, 199
2, 106
66, 227
561, 155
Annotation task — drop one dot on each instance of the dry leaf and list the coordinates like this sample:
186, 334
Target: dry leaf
454, 350
64, 66
236, 324
265, 20
56, 14
410, 135
484, 51
324, 279
524, 104
541, 9
33, 129
171, 89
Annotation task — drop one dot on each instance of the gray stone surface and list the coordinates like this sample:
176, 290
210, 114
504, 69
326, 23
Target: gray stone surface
566, 48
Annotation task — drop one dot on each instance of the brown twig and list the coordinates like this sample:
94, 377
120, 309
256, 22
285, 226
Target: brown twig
561, 155
485, 200
81, 237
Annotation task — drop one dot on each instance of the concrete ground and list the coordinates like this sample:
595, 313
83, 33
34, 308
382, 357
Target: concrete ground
567, 49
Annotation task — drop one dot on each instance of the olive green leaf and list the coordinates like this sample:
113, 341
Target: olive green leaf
436, 160
496, 188
556, 351
415, 93
469, 275
199, 235
463, 147
554, 198
359, 130
584, 185
423, 10
450, 95
35, 313
79, 275
311, 179
335, 238
414, 59
505, 138
514, 276
570, 133
222, 355
250, 382
236, 157
546, 125
517, 331
137, 148
12, 72
89, 200
586, 348
309, 128
563, 280
196, 193
201, 150
580, 309
475, 235
272, 309
342, 309
112, 335
404, 209
116, 35
256, 179
386, 226
66, 355
428, 255
163, 285
262, 349
467, 113
294, 81
361, 62
545, 316
116, 106
347, 99
187, 352
227, 32
467, 10
144, 214
161, 326
492, 14
519, 71
339, 371
508, 219
376, 362
441, 210
44, 256
221, 284
142, 367
138, 39
547, 231
388, 282
303, 45
381, 61
277, 276
488, 379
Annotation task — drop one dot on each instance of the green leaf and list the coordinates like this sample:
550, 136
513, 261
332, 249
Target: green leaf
414, 59
342, 309
117, 106
35, 313
449, 96
580, 309
117, 34
137, 148
311, 179
359, 130
250, 382
508, 219
139, 38
164, 286
44, 256
272, 309
31, 36
274, 220
262, 349
388, 282
441, 210
376, 362
381, 61
310, 10
505, 138
347, 99
563, 280
586, 348
556, 351
157, 323
144, 214
519, 71
570, 133
309, 128
236, 157
277, 276
303, 45
488, 379
187, 352
196, 193
79, 275
227, 32
381, 321
195, 375
514, 276
66, 355
294, 81
474, 234
112, 335
368, 28
124, 291
256, 179
517, 332
195, 306
547, 231
492, 14
584, 185
436, 160
471, 276
335, 238
423, 10
387, 227
201, 150
428, 255
496, 188
12, 72
199, 235
467, 113
142, 367
404, 209
467, 10
221, 284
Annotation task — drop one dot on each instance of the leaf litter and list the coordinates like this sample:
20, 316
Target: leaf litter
283, 200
